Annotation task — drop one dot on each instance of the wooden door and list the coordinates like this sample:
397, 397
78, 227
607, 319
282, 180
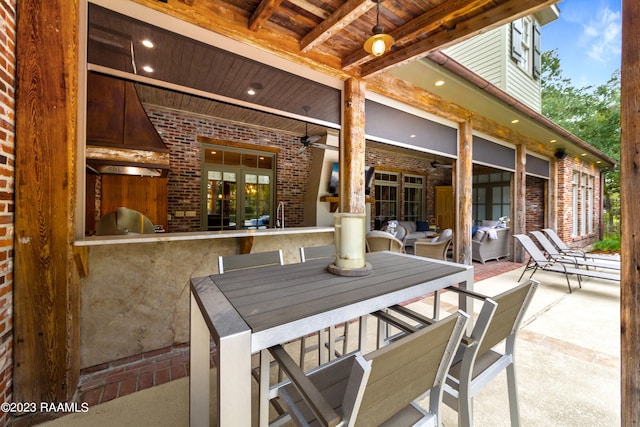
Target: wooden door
444, 207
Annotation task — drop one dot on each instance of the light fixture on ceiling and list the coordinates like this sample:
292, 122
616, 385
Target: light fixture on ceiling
148, 68
439, 83
254, 88
379, 43
147, 43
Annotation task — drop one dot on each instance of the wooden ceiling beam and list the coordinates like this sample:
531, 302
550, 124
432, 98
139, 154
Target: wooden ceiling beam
342, 17
426, 23
500, 15
263, 12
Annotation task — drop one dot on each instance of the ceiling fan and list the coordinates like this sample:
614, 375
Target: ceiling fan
435, 164
312, 140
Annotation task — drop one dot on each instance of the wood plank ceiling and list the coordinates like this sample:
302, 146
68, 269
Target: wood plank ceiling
326, 35
330, 33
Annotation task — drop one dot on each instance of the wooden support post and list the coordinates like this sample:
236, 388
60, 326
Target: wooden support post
47, 284
519, 223
352, 148
630, 220
464, 194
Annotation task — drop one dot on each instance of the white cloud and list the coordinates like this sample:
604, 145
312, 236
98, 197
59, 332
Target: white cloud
602, 36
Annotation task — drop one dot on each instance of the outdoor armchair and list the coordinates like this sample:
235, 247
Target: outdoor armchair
382, 241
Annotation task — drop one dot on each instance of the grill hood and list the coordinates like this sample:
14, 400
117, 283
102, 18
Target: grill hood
120, 137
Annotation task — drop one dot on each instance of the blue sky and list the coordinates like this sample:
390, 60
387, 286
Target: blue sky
587, 37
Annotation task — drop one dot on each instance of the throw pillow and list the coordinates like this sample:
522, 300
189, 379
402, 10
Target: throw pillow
422, 226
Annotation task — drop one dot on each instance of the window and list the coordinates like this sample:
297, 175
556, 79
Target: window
414, 189
491, 195
574, 204
237, 188
590, 205
387, 185
525, 46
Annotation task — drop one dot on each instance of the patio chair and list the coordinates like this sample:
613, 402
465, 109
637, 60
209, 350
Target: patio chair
477, 362
382, 241
537, 260
317, 252
327, 252
577, 261
563, 248
436, 250
400, 231
379, 388
228, 263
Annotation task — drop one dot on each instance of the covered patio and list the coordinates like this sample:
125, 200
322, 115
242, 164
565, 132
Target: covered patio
568, 363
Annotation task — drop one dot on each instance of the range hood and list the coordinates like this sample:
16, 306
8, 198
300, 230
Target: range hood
120, 137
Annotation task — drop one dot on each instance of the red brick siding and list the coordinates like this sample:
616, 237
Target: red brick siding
535, 202
7, 168
566, 168
179, 131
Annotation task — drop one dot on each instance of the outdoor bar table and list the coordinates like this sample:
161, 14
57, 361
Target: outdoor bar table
248, 311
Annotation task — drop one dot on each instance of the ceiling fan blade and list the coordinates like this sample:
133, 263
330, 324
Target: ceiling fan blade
301, 149
313, 138
324, 146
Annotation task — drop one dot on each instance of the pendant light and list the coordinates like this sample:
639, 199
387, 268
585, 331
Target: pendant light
379, 43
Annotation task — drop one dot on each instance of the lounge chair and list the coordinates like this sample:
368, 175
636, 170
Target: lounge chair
537, 260
563, 248
382, 241
576, 260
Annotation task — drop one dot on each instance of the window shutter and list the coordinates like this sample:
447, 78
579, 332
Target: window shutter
516, 40
537, 52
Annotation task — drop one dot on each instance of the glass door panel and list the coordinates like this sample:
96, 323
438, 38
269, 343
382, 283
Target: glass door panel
257, 201
221, 200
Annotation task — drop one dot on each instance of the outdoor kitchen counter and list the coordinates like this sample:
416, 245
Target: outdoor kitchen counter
196, 235
135, 288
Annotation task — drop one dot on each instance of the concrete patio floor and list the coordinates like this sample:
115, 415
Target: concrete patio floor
567, 361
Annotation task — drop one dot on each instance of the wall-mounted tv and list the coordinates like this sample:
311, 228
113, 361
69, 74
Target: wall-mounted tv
333, 182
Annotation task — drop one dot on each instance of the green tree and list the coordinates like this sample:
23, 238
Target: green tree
592, 113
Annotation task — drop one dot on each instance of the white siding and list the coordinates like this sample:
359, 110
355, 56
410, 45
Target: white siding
520, 83
489, 56
484, 55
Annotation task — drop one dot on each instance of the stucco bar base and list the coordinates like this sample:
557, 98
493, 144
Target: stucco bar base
135, 298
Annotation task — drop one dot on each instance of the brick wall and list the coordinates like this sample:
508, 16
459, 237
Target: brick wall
179, 131
7, 145
535, 202
566, 169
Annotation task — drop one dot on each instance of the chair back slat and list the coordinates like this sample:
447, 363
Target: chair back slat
406, 369
508, 314
240, 262
556, 239
546, 244
317, 252
534, 252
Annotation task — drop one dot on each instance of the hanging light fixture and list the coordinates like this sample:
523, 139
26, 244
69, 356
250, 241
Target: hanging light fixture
379, 43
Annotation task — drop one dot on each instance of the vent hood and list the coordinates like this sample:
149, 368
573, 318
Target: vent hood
120, 137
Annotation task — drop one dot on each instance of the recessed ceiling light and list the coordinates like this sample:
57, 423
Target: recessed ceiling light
254, 88
439, 82
514, 121
583, 154
599, 161
148, 68
553, 140
147, 43
412, 136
